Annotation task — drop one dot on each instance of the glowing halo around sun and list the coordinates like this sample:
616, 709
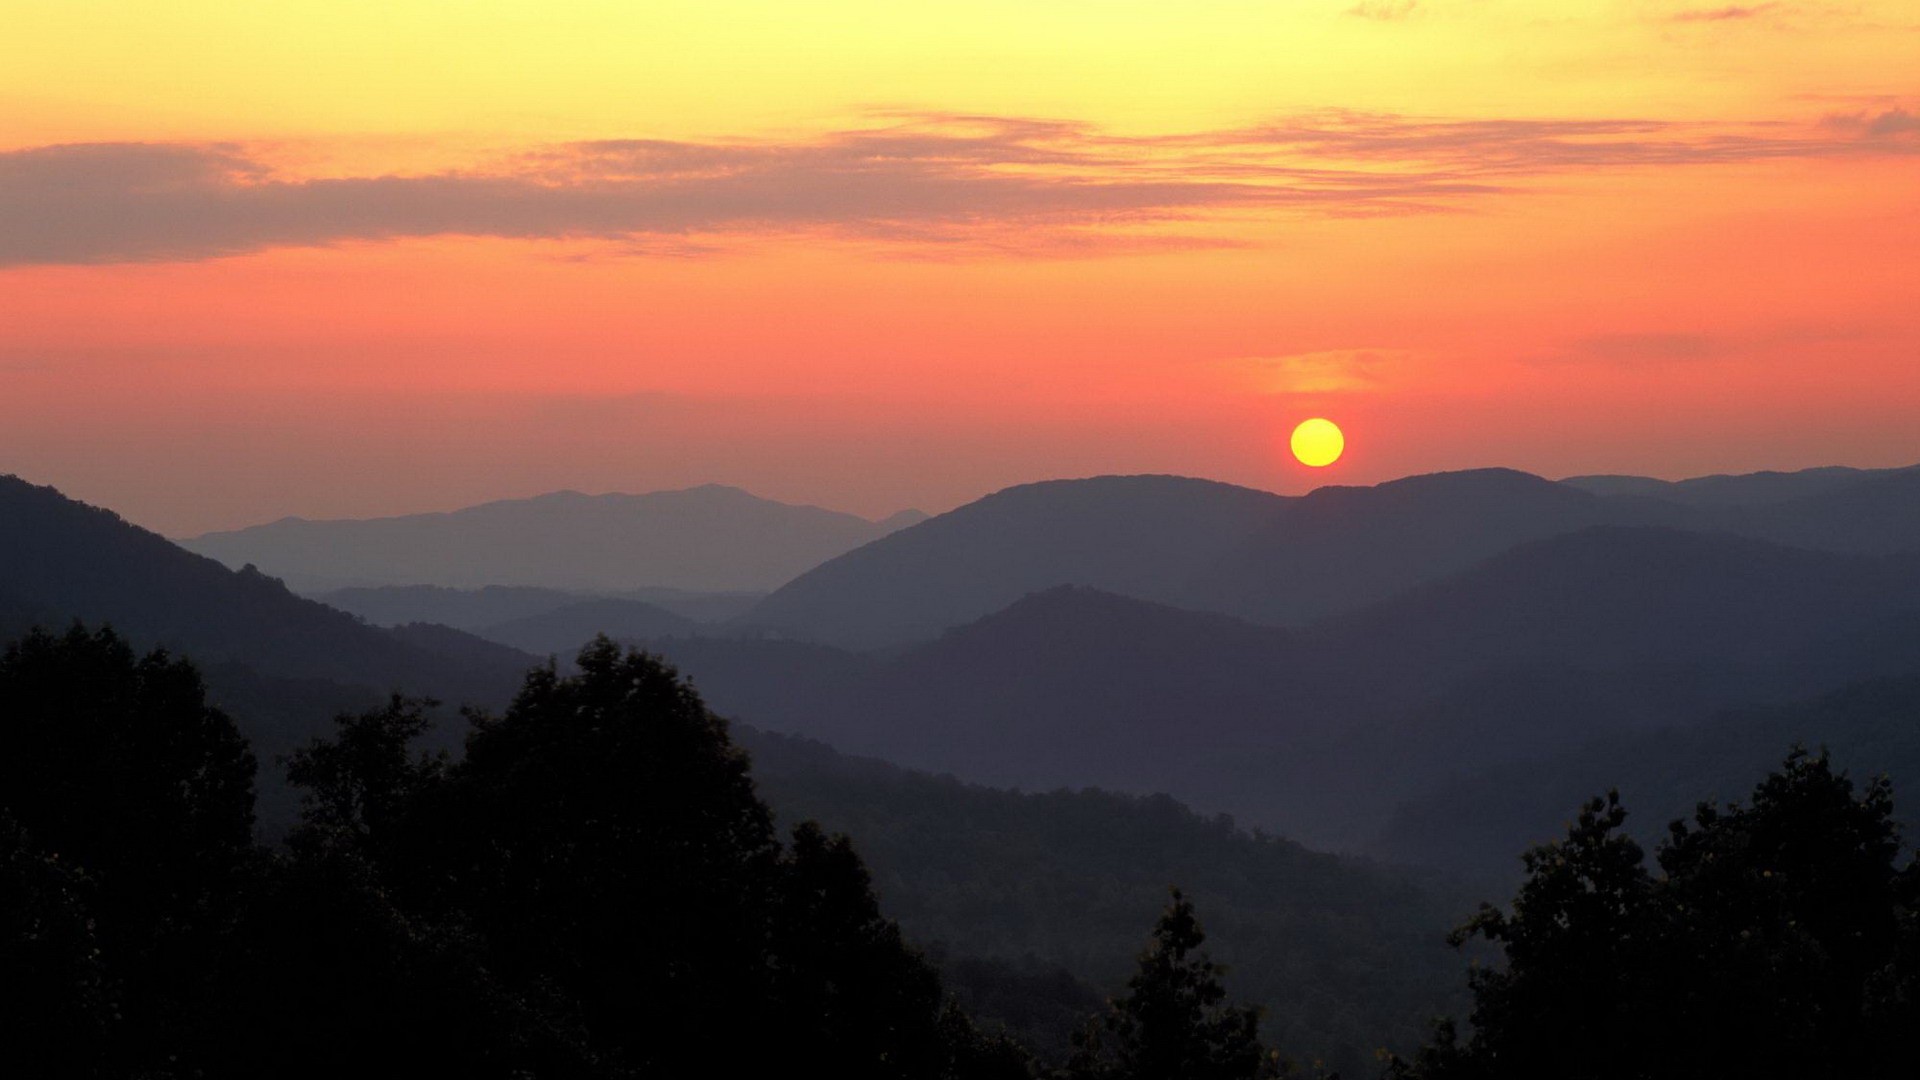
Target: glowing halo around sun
1318, 442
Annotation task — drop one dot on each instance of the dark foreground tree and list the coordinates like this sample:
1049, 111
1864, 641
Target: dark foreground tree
1174, 1022
1780, 938
57, 1001
602, 851
131, 807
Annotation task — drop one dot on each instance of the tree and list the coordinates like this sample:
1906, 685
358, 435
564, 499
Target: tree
360, 784
1779, 938
1174, 1022
117, 766
1795, 907
57, 1000
602, 857
1584, 909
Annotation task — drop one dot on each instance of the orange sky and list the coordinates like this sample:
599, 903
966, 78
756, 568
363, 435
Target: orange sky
343, 259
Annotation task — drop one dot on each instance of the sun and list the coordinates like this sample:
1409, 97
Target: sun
1318, 442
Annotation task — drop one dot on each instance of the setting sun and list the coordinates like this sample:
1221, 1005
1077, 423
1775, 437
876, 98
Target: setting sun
1318, 442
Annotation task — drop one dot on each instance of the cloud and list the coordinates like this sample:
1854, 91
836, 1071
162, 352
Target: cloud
1890, 125
1649, 347
1329, 371
927, 184
1731, 13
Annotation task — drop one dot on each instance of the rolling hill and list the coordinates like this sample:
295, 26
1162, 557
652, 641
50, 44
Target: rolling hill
1347, 956
1319, 732
563, 630
1292, 561
710, 538
62, 560
1140, 536
1478, 822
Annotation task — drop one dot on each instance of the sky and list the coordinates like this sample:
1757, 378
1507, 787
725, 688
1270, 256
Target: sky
330, 258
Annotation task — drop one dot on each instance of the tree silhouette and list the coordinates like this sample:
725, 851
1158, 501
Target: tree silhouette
601, 855
117, 766
360, 784
1174, 1022
1780, 938
57, 999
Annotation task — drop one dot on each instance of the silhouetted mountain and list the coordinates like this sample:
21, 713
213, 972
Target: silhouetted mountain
491, 605
1293, 561
564, 630
1347, 956
62, 560
1721, 491
473, 650
1878, 515
704, 538
462, 609
1316, 732
1190, 543
1612, 597
1338, 548
1141, 536
1479, 821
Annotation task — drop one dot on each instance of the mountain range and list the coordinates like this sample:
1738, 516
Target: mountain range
711, 538
1317, 732
1033, 903
1288, 561
1312, 664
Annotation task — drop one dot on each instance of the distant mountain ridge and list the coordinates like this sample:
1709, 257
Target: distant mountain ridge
1734, 489
1143, 536
1291, 560
1311, 731
477, 610
707, 538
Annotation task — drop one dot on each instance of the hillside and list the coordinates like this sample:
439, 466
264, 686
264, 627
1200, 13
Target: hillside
1189, 543
1293, 561
711, 538
62, 560
563, 630
1346, 956
1140, 536
1317, 733
1337, 549
1477, 822
1730, 490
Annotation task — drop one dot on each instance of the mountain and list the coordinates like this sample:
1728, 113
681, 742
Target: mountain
1878, 515
563, 631
1190, 543
1292, 561
462, 609
710, 538
1339, 548
1140, 536
62, 560
1611, 597
1723, 491
491, 605
1478, 822
1346, 956
1319, 732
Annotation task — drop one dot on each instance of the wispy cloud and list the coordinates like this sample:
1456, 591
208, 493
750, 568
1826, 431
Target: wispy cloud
1891, 124
1328, 371
929, 182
